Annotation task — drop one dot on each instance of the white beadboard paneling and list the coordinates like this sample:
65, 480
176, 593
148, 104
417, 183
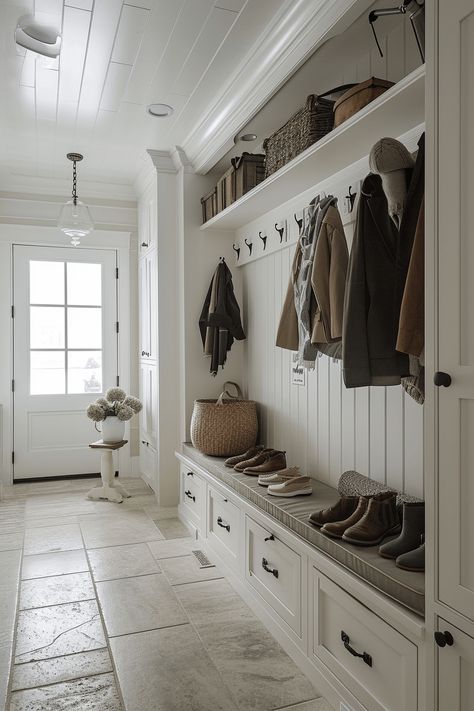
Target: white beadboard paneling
362, 430
394, 439
73, 51
129, 34
335, 453
413, 446
377, 435
46, 89
114, 87
80, 4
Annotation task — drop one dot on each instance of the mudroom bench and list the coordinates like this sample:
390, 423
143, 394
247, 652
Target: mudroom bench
350, 619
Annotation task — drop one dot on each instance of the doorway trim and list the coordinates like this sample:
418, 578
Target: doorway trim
34, 235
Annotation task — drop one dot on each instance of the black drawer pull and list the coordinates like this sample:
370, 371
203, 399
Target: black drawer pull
189, 495
271, 537
189, 474
144, 244
223, 525
364, 656
444, 638
265, 566
145, 442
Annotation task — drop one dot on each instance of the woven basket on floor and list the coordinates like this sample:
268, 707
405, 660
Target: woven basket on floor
226, 426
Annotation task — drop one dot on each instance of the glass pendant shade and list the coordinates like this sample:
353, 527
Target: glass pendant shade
75, 219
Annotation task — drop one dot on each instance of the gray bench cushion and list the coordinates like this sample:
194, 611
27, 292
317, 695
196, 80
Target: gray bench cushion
405, 587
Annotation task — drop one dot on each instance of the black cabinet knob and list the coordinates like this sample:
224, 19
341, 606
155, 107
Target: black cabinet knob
444, 639
442, 379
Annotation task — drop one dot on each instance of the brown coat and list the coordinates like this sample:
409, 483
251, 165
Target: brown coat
328, 280
411, 330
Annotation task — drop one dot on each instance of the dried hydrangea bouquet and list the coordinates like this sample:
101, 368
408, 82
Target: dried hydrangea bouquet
113, 410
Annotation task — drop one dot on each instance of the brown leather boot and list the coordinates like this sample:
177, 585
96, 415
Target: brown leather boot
339, 511
274, 462
253, 461
380, 520
232, 461
336, 529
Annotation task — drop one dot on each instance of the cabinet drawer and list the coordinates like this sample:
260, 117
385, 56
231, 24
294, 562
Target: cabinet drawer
223, 523
193, 496
385, 678
274, 570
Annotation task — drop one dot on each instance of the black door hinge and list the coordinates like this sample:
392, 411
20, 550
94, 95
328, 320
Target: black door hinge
117, 327
13, 311
13, 385
13, 457
116, 272
118, 380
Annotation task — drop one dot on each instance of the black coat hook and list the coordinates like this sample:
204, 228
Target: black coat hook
237, 251
249, 245
264, 240
299, 221
280, 231
350, 197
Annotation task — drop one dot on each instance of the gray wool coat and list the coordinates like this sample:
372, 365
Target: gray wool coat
371, 317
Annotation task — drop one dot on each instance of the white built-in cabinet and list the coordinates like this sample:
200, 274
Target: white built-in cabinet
148, 337
453, 519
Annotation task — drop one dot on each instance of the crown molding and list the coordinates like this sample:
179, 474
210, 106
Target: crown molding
154, 162
181, 160
296, 32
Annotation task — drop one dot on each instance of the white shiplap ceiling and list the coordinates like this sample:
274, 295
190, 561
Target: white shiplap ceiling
116, 58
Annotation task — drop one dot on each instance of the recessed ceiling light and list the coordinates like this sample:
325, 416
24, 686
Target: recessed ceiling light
160, 110
248, 137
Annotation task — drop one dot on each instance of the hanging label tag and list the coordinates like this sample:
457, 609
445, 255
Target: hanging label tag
298, 374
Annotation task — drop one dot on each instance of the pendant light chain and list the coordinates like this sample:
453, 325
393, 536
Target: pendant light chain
75, 219
74, 183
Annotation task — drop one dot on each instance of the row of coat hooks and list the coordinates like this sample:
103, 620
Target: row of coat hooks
281, 226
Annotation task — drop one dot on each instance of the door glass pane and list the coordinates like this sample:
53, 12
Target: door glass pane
84, 373
46, 282
84, 284
47, 374
84, 328
47, 327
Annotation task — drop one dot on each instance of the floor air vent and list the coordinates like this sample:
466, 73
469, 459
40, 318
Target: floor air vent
203, 560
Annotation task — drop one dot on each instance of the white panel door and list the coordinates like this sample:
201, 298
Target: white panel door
456, 305
65, 355
455, 670
148, 307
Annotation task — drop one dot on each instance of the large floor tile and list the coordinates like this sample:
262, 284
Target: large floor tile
172, 528
260, 675
51, 671
89, 694
56, 590
168, 670
138, 604
11, 541
132, 527
63, 563
10, 569
173, 549
42, 521
314, 705
122, 562
60, 629
186, 570
50, 539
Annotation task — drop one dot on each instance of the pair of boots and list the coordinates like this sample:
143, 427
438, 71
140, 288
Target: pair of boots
361, 520
408, 550
258, 460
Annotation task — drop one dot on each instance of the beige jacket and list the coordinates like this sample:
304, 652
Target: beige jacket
328, 279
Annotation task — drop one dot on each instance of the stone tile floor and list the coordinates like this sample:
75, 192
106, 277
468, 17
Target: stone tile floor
104, 608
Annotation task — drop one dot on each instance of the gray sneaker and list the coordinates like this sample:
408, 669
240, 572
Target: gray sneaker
279, 477
296, 486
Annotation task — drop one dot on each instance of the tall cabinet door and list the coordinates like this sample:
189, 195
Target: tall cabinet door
456, 305
456, 671
148, 307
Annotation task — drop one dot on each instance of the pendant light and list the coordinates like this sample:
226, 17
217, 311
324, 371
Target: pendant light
75, 219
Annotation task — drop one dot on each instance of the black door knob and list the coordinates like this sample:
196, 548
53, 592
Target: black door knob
442, 379
444, 639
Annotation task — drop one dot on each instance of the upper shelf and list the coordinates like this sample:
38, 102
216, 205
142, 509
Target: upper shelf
393, 113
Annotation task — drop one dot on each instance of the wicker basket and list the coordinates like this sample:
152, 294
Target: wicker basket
226, 426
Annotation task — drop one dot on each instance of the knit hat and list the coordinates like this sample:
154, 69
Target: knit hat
391, 159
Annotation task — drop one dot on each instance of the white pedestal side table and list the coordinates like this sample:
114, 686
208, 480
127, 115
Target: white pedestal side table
109, 490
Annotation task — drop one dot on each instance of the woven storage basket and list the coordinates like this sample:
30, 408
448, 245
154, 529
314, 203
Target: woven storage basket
304, 128
226, 426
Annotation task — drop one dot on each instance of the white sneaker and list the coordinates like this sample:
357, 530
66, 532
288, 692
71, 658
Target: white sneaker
279, 477
296, 486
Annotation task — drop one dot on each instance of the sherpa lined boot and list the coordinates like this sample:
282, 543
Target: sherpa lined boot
232, 461
339, 511
413, 560
413, 527
380, 520
274, 462
336, 529
256, 459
